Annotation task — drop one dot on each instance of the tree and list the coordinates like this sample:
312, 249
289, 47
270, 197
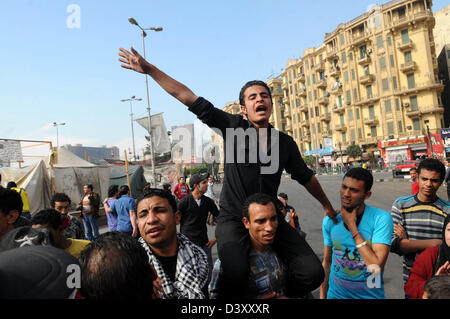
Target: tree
310, 160
354, 150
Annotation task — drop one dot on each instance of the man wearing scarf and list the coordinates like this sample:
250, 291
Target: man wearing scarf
433, 261
182, 267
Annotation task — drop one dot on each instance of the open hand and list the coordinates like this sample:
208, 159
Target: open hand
133, 61
444, 269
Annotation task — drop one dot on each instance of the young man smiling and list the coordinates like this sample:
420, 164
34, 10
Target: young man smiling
256, 155
418, 219
358, 246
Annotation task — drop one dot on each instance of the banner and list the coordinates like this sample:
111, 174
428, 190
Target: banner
10, 151
161, 142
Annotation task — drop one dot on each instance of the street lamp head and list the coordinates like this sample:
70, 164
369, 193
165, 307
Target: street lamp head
156, 29
139, 99
133, 97
132, 21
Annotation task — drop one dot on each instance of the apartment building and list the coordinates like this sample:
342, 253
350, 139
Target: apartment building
373, 81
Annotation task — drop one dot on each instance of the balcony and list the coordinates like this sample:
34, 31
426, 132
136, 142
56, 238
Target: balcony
438, 85
320, 66
339, 109
287, 112
323, 100
302, 91
358, 39
307, 137
304, 123
333, 54
371, 140
301, 77
303, 108
284, 86
366, 59
413, 113
286, 100
408, 66
340, 127
404, 21
326, 117
405, 46
370, 99
288, 127
326, 133
437, 109
336, 88
370, 121
366, 79
322, 83
335, 71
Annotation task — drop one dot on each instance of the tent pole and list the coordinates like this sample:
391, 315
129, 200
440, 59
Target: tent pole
128, 175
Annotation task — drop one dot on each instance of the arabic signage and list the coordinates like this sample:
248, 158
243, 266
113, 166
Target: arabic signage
321, 151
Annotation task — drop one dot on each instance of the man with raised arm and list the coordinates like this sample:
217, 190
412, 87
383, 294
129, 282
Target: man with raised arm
255, 156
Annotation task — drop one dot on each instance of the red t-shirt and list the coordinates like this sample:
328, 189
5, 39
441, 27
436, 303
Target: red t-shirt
415, 187
181, 190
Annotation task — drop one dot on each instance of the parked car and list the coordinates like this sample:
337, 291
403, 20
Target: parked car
402, 169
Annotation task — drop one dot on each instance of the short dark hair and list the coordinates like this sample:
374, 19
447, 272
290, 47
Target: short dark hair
438, 287
90, 186
116, 266
49, 217
150, 192
283, 195
250, 84
112, 190
361, 174
257, 198
432, 164
413, 169
10, 200
59, 197
11, 184
123, 190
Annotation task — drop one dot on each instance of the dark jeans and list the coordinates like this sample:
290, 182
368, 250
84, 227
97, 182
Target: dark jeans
305, 271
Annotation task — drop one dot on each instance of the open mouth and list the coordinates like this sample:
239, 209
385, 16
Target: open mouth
154, 232
261, 109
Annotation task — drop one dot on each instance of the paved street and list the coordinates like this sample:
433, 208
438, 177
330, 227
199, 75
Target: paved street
311, 215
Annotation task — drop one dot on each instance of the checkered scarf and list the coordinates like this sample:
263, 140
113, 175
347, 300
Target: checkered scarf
191, 272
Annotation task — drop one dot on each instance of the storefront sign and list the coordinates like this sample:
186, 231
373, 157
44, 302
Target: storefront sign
416, 140
321, 151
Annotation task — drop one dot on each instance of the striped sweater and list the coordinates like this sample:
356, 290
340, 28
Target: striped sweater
420, 220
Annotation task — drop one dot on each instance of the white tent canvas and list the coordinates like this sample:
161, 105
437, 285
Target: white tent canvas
34, 179
72, 172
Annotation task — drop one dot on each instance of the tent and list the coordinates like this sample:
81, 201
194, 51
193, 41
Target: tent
34, 179
71, 173
137, 179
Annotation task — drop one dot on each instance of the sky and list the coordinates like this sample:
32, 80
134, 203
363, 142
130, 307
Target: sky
59, 59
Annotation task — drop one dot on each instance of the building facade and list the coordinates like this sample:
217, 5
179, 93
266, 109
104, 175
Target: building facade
373, 79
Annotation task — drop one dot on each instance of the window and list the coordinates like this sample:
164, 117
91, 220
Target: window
362, 51
318, 127
346, 76
390, 127
387, 106
309, 97
371, 112
297, 102
355, 94
408, 56
341, 38
394, 82
315, 94
366, 70
359, 133
411, 82
317, 110
385, 83
400, 127
352, 135
349, 98
357, 114
341, 117
344, 58
313, 128
397, 105
389, 41
416, 124
350, 115
405, 36
344, 137
283, 127
391, 59
353, 74
308, 80
369, 91
383, 63
380, 42
314, 78
282, 114
413, 102
350, 56
373, 131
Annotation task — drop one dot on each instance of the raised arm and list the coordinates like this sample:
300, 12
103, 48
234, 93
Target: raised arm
134, 61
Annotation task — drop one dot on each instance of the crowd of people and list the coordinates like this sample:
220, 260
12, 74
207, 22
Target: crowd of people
262, 251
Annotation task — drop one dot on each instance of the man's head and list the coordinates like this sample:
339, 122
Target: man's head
61, 203
437, 287
181, 180
413, 172
355, 188
256, 102
113, 190
10, 209
124, 190
116, 266
431, 174
210, 179
260, 219
199, 182
88, 188
11, 184
157, 218
285, 198
51, 220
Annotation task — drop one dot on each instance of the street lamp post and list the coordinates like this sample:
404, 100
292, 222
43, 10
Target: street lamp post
57, 133
144, 34
133, 98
